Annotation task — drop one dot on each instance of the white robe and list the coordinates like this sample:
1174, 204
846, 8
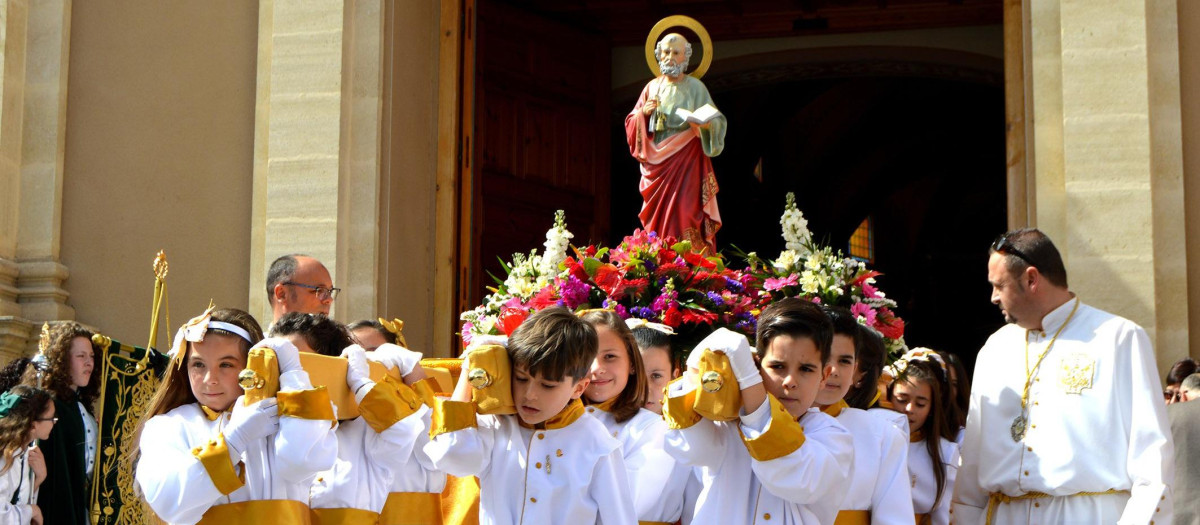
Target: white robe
282, 466
880, 482
924, 480
572, 475
1095, 420
804, 487
656, 481
366, 463
416, 472
17, 481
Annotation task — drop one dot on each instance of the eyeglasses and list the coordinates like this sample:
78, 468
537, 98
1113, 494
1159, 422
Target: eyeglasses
1003, 245
54, 419
323, 293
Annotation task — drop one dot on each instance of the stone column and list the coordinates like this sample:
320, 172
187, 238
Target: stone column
40, 281
1109, 177
14, 329
316, 167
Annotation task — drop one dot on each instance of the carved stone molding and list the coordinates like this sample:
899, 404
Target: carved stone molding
42, 296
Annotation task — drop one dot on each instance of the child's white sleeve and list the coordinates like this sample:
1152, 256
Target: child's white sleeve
176, 482
892, 501
395, 413
306, 443
802, 465
610, 489
10, 482
690, 439
460, 442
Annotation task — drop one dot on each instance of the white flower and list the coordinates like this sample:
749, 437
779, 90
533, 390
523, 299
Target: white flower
558, 239
795, 227
787, 260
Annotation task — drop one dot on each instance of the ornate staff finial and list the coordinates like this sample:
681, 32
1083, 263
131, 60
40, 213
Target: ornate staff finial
44, 340
160, 265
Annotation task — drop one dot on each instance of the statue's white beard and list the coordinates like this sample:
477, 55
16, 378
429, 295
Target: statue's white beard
672, 70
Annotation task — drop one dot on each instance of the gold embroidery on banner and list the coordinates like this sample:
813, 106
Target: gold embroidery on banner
137, 393
1075, 372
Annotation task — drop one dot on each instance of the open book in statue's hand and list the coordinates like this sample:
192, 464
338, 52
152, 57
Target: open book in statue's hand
702, 115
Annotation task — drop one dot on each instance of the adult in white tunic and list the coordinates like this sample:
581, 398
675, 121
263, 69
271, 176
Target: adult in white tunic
1065, 421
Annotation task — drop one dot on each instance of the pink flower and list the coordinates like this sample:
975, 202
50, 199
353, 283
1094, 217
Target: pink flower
870, 292
772, 283
862, 311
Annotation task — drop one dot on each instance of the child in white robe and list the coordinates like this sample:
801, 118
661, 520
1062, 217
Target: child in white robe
615, 395
920, 391
778, 460
26, 415
371, 446
879, 491
206, 456
550, 463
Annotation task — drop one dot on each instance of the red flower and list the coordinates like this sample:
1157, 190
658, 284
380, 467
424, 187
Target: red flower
698, 317
862, 278
608, 278
545, 298
698, 260
889, 325
672, 317
510, 318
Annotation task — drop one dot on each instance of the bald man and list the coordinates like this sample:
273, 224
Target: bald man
299, 283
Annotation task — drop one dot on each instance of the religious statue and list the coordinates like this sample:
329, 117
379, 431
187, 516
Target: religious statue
672, 131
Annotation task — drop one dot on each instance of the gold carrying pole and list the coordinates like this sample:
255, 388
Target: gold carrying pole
160, 291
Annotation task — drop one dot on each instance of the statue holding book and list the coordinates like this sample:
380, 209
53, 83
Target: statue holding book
672, 131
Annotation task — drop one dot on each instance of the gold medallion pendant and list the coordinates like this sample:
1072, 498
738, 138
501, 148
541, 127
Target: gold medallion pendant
1018, 428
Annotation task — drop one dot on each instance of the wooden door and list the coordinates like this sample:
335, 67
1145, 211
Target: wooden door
541, 139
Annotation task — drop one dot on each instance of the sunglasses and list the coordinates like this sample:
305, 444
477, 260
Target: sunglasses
1003, 245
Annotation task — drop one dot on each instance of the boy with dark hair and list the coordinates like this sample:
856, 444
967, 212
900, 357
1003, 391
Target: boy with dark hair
778, 460
553, 462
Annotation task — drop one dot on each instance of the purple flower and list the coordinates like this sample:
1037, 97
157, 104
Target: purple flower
746, 325
642, 312
734, 285
716, 299
649, 264
621, 311
574, 292
659, 304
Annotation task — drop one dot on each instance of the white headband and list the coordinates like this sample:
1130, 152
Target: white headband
634, 323
231, 328
195, 329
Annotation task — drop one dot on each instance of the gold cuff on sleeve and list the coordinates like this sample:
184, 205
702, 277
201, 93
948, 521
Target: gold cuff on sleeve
387, 402
449, 416
783, 436
214, 456
719, 397
678, 411
426, 388
490, 367
260, 378
306, 404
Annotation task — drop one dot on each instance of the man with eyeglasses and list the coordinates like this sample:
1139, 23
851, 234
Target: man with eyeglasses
299, 283
1065, 424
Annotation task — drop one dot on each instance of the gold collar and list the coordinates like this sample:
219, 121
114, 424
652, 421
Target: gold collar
916, 436
567, 416
606, 406
211, 414
836, 409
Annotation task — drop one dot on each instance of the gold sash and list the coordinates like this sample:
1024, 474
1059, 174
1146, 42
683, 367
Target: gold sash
996, 498
258, 511
853, 517
412, 508
343, 516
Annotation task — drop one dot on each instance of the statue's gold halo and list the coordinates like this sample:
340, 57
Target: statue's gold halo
679, 21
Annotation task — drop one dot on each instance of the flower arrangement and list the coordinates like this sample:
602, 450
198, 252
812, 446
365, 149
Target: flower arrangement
647, 276
662, 280
824, 275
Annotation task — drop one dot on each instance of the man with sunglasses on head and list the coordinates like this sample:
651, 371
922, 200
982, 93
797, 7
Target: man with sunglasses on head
1065, 424
299, 283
